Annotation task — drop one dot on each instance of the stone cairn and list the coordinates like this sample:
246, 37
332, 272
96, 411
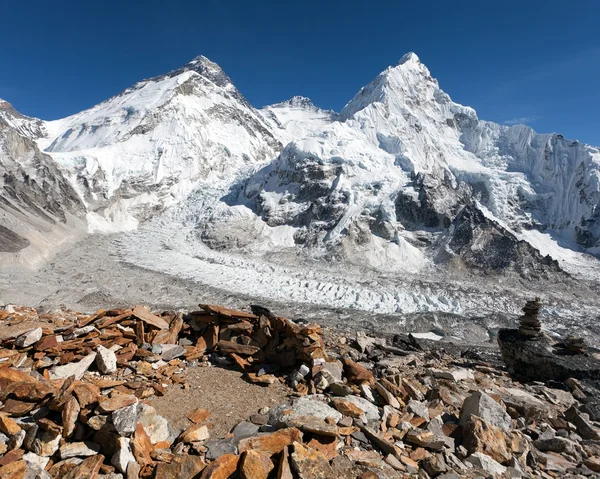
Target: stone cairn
573, 345
529, 324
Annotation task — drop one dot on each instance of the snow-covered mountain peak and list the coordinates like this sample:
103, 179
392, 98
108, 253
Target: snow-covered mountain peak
26, 126
409, 57
295, 102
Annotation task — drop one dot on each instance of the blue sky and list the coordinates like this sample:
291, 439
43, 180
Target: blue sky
528, 61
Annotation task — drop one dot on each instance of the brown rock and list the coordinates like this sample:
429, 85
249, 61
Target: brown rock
18, 408
87, 394
347, 408
284, 471
116, 402
8, 426
11, 456
255, 465
487, 439
311, 464
424, 439
29, 391
70, 413
313, 424
412, 465
196, 432
356, 373
223, 467
141, 445
181, 467
272, 443
419, 454
145, 315
593, 463
229, 347
88, 469
198, 416
9, 376
14, 470
380, 442
325, 445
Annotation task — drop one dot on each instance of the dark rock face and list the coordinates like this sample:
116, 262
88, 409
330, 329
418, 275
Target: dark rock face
434, 203
484, 244
535, 360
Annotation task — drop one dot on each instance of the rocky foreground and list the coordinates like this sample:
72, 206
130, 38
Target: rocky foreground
74, 400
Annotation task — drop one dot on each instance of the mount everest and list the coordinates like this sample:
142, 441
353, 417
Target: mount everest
402, 185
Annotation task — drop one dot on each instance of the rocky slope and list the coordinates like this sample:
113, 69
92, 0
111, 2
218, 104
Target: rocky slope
38, 205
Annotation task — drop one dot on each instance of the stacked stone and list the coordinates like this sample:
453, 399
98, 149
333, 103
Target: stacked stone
529, 324
575, 345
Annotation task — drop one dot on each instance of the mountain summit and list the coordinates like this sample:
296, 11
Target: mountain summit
402, 183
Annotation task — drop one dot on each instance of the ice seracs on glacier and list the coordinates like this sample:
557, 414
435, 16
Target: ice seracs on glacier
402, 179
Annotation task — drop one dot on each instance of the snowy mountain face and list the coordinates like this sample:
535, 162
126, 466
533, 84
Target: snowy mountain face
38, 206
148, 147
403, 182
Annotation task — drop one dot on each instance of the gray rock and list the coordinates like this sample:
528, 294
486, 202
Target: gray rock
218, 448
106, 360
418, 409
157, 427
125, 420
79, 449
171, 351
123, 456
28, 338
360, 437
583, 425
481, 405
486, 463
303, 406
245, 428
333, 371
593, 410
559, 445
35, 460
46, 444
371, 411
340, 389
526, 404
77, 369
458, 374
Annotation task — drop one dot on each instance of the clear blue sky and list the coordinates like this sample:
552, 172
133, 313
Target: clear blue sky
529, 60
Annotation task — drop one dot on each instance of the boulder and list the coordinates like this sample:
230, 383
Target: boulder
77, 369
524, 403
483, 406
28, 338
304, 406
106, 360
487, 464
536, 360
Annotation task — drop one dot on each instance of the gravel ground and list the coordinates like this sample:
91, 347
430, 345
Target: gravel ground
223, 392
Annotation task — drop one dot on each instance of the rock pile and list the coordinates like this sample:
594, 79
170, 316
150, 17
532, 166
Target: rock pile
529, 324
73, 404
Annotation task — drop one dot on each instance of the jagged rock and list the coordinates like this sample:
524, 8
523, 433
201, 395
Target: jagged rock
486, 463
340, 389
313, 424
78, 449
181, 467
534, 359
221, 468
244, 429
356, 373
347, 408
198, 416
371, 414
28, 338
156, 426
125, 419
8, 425
483, 406
123, 455
584, 427
195, 432
303, 406
219, 447
272, 443
524, 403
255, 465
559, 445
106, 360
117, 402
332, 370
456, 375
171, 351
487, 439
46, 444
310, 464
77, 369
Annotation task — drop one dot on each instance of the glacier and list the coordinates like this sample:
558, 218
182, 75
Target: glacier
404, 202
